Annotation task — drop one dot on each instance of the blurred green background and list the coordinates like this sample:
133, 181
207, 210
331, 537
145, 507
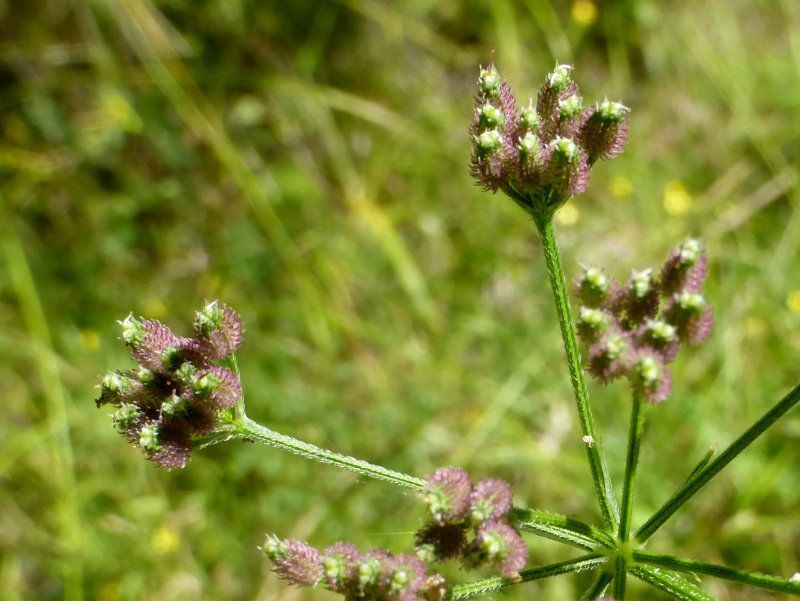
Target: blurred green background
306, 162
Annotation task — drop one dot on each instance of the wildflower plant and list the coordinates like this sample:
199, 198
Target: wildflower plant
186, 393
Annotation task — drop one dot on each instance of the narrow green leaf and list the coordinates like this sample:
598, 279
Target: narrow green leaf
702, 464
598, 587
561, 528
671, 583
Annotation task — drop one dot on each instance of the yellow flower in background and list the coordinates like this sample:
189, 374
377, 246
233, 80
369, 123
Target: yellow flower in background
620, 187
793, 301
164, 540
89, 340
584, 12
677, 200
568, 215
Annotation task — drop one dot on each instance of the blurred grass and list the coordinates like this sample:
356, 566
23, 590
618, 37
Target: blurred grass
306, 163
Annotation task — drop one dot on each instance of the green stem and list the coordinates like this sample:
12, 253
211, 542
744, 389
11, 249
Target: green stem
700, 479
561, 528
247, 429
594, 451
631, 464
598, 587
488, 585
770, 583
620, 577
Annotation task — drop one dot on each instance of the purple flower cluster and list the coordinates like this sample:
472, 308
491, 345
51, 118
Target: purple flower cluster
342, 568
469, 522
635, 330
177, 390
546, 149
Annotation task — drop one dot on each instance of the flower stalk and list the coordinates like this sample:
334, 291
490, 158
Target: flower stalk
594, 449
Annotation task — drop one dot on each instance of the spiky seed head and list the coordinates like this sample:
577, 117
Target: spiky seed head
612, 112
498, 543
570, 107
559, 78
489, 82
529, 148
490, 116
488, 143
294, 561
529, 118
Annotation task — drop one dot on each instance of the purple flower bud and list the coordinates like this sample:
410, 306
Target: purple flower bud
447, 493
219, 330
610, 357
446, 541
340, 564
691, 315
567, 171
592, 323
218, 385
661, 337
490, 500
499, 544
594, 287
641, 298
406, 576
434, 588
605, 131
294, 561
685, 268
650, 378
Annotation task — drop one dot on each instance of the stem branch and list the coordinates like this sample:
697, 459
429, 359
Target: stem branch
700, 479
770, 583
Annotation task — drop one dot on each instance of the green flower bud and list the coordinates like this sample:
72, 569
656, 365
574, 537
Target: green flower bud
174, 405
124, 417
170, 358
611, 112
489, 82
148, 437
691, 302
132, 330
648, 370
489, 142
529, 148
530, 118
661, 331
207, 384
559, 78
642, 282
209, 318
116, 383
566, 149
490, 116
594, 319
145, 376
689, 252
187, 373
615, 346
570, 107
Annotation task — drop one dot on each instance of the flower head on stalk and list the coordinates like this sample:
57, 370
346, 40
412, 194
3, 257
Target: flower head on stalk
636, 330
177, 390
540, 155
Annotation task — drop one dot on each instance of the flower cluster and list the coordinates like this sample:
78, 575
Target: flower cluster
636, 330
546, 149
343, 568
469, 522
177, 391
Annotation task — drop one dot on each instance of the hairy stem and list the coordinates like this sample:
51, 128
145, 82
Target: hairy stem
631, 465
594, 451
561, 528
488, 585
247, 429
770, 583
701, 478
